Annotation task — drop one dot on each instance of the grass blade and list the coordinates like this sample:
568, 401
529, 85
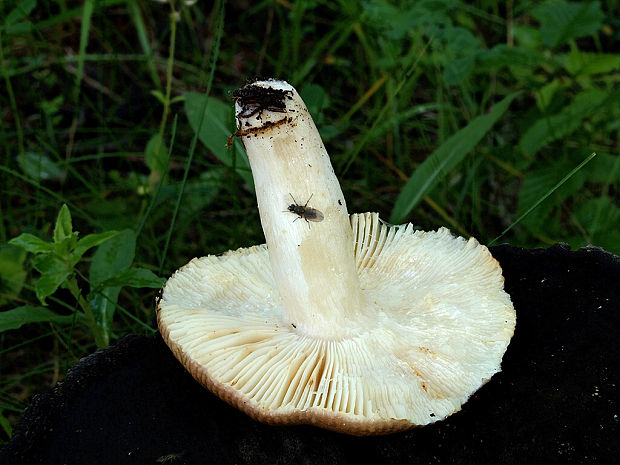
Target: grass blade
213, 56
544, 197
445, 159
87, 13
136, 16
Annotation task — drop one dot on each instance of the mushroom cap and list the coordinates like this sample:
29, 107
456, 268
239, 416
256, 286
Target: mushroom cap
433, 326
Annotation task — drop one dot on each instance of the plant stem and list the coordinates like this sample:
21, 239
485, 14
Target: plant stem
169, 69
102, 339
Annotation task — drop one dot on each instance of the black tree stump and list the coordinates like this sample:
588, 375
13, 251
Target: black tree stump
555, 401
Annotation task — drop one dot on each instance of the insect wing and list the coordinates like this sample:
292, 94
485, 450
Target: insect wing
312, 214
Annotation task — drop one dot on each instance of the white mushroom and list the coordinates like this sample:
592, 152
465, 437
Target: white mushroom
342, 322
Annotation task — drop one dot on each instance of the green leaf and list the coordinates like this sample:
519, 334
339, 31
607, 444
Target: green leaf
112, 256
89, 241
39, 167
13, 23
315, 98
32, 244
554, 127
217, 126
504, 56
48, 284
159, 95
458, 70
445, 159
140, 28
63, 227
527, 37
598, 216
12, 272
197, 194
545, 94
580, 63
5, 424
156, 155
15, 318
135, 277
562, 21
395, 23
54, 271
604, 170
103, 305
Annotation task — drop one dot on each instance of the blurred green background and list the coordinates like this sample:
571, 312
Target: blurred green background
481, 116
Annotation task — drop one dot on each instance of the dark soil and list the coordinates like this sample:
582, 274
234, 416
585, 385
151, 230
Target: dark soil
556, 400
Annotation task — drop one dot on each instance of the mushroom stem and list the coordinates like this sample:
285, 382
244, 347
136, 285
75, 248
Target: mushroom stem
310, 247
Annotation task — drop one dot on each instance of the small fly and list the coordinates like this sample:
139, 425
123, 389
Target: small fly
305, 212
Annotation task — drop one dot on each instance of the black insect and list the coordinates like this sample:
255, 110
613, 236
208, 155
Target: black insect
305, 212
255, 99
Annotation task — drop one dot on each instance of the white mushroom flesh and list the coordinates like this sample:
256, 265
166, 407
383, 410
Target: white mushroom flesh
346, 323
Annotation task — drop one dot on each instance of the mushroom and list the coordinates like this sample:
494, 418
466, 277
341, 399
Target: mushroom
343, 322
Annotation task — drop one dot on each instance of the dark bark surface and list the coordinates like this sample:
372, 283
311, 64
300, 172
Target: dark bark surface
556, 400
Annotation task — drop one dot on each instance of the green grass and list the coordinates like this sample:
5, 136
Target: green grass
478, 116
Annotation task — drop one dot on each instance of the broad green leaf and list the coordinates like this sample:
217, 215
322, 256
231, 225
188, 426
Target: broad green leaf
87, 242
459, 69
604, 170
14, 22
39, 167
562, 21
15, 318
197, 194
546, 93
554, 127
218, 124
445, 159
113, 255
395, 22
65, 239
156, 155
135, 277
63, 227
502, 55
599, 215
12, 272
54, 272
584, 64
527, 37
50, 263
316, 100
32, 244
103, 305
21, 11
